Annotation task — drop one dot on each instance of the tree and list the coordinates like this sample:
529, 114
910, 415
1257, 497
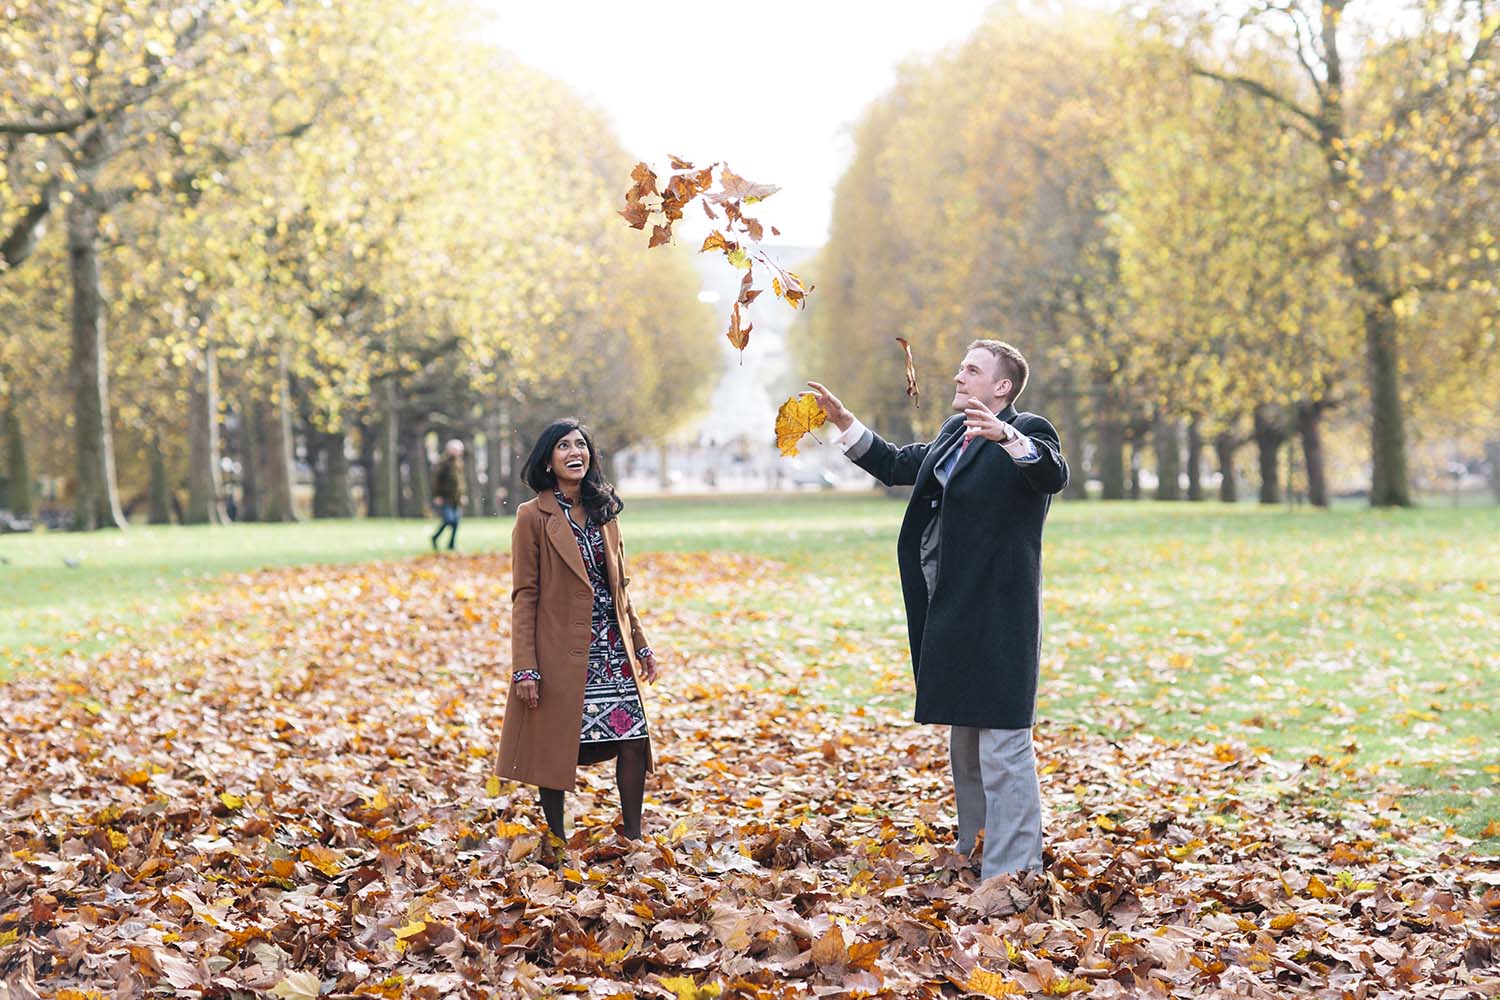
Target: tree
1406, 133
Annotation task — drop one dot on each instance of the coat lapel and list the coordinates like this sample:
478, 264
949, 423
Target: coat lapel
937, 453
560, 535
967, 458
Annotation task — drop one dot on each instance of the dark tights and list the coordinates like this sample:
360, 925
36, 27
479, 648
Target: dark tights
630, 775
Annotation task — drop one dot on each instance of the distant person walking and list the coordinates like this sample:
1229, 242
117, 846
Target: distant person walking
448, 491
970, 557
576, 643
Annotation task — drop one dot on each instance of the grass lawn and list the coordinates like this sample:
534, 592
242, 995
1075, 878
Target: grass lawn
1363, 641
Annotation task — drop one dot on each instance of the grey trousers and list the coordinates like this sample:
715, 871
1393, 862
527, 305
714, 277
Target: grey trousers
994, 780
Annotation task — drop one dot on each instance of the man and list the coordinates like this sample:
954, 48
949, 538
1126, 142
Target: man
970, 556
448, 491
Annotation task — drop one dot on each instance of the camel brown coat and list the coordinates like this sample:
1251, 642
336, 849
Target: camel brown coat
552, 605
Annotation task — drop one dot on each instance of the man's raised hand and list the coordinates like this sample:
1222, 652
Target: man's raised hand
837, 414
980, 421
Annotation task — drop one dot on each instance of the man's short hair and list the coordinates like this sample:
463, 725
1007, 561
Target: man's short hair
1012, 364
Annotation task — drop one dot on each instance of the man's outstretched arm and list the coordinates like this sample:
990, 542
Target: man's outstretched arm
891, 465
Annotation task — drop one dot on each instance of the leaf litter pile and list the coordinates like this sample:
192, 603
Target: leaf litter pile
289, 795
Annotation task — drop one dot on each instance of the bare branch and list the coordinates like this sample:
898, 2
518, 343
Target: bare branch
22, 238
57, 126
1484, 47
1266, 93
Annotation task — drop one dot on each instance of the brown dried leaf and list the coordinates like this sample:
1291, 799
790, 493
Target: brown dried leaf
738, 335
911, 373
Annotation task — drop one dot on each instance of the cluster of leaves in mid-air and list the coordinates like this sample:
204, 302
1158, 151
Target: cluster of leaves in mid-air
739, 239
206, 810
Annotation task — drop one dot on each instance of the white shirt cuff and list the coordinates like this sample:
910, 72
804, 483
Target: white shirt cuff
847, 439
1021, 448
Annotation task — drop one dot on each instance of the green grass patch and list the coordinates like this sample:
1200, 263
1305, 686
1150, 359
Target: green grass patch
1362, 641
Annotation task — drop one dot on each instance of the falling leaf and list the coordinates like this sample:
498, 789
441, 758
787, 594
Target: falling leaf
738, 335
739, 189
635, 213
660, 235
799, 415
911, 373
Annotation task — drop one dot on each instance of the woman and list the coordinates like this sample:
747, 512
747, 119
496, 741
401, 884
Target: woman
576, 644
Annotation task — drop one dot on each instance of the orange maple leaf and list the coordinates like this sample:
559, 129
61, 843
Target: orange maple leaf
799, 415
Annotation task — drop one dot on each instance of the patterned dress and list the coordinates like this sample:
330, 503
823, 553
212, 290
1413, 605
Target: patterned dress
611, 701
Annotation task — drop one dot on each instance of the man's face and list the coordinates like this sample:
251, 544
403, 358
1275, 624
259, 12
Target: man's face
979, 377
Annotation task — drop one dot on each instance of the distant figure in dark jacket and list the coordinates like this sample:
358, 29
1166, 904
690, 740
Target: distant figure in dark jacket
448, 491
970, 555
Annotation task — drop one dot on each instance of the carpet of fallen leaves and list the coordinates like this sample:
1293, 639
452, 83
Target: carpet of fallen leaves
289, 795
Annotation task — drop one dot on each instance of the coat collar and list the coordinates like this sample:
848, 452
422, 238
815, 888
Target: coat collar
560, 534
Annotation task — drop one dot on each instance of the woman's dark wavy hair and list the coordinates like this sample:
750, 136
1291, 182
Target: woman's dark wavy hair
596, 492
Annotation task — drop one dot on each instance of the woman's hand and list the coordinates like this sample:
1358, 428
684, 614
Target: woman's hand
649, 669
530, 693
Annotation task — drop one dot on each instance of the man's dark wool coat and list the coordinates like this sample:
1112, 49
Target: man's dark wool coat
976, 643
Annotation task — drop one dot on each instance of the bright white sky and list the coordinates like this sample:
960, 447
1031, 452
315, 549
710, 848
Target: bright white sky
770, 86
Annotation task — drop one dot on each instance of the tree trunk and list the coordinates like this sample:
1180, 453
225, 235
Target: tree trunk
1492, 459
494, 462
205, 488
1388, 483
18, 496
252, 463
1135, 469
366, 463
97, 498
1072, 431
1310, 429
280, 448
332, 496
1225, 446
1112, 457
416, 498
387, 461
1195, 460
160, 492
1166, 436
471, 475
1269, 434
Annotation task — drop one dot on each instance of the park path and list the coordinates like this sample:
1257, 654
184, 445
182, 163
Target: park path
289, 793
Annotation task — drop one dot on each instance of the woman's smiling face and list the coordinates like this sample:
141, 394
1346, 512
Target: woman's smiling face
570, 458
